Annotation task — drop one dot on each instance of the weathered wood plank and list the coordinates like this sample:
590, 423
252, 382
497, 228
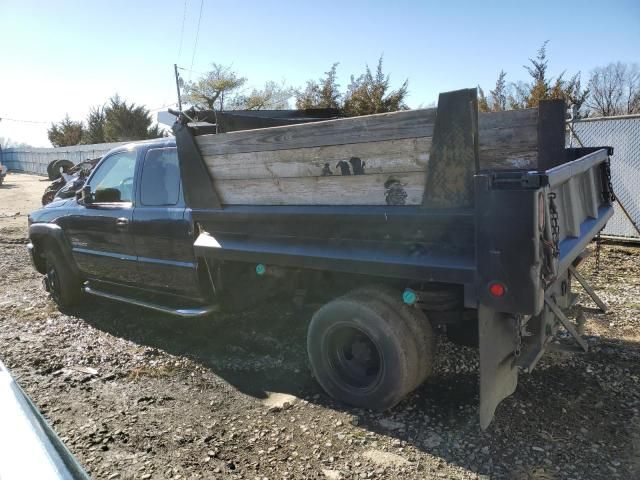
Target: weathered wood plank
370, 128
521, 117
302, 164
509, 147
507, 139
389, 156
374, 189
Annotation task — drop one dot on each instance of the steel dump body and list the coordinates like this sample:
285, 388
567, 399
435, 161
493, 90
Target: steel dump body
396, 242
497, 240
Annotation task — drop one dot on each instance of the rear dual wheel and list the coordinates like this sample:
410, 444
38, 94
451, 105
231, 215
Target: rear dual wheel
369, 350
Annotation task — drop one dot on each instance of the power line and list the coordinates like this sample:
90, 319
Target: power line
195, 43
23, 121
184, 17
163, 106
192, 71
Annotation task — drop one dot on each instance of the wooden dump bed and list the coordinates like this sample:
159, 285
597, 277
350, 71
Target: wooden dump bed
371, 160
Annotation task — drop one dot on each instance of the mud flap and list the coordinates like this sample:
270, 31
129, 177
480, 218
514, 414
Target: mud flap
498, 369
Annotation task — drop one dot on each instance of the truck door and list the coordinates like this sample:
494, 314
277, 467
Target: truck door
99, 232
162, 229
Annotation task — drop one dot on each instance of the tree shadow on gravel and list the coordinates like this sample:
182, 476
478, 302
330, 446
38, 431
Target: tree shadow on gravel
573, 417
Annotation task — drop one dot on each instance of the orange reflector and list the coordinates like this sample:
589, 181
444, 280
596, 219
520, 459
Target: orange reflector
497, 289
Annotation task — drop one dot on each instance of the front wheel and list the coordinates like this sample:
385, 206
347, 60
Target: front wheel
60, 281
362, 353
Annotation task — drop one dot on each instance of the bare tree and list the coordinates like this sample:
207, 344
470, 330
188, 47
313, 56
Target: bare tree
274, 96
210, 90
6, 142
615, 90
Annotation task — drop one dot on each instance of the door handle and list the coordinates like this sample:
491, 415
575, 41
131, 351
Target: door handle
122, 223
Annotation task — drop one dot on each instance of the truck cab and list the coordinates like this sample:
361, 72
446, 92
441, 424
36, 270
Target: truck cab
128, 232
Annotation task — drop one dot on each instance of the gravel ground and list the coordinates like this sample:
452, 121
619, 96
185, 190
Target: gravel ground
140, 395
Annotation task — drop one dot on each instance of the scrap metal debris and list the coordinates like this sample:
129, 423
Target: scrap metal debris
70, 181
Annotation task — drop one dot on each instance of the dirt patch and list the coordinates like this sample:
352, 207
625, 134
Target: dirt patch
141, 395
20, 193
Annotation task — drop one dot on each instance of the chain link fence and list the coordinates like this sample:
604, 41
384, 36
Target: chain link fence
623, 134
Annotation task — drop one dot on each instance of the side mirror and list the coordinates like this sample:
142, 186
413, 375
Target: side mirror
85, 195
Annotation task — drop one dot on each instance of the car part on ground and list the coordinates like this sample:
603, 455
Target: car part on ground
57, 167
29, 447
68, 181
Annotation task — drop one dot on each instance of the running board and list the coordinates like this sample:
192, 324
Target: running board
180, 312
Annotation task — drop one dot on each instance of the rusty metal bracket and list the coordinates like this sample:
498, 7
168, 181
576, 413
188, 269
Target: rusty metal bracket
566, 322
588, 288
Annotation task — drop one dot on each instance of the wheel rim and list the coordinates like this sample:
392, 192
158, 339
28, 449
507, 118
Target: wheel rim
354, 357
54, 284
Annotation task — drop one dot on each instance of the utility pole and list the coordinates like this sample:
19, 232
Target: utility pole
175, 69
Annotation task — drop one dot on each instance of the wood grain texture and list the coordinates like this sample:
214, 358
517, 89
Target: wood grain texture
370, 128
389, 156
508, 139
290, 165
335, 190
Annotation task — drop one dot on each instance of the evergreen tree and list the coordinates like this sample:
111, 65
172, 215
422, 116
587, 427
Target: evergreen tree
483, 103
65, 133
127, 122
500, 93
94, 133
324, 93
368, 94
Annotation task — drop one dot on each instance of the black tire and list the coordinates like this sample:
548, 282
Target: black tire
53, 169
51, 173
64, 287
63, 164
362, 353
416, 321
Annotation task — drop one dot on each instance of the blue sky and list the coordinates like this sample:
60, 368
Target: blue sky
62, 57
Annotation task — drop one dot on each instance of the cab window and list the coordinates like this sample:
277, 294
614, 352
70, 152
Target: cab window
113, 180
160, 184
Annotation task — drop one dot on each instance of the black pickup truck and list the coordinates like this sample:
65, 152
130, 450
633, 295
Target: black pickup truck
148, 229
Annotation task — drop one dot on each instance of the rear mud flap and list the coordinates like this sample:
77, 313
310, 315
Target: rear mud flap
498, 369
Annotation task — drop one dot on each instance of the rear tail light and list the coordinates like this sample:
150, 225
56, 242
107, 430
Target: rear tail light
497, 289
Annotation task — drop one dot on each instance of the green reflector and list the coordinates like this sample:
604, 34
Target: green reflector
261, 269
409, 296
